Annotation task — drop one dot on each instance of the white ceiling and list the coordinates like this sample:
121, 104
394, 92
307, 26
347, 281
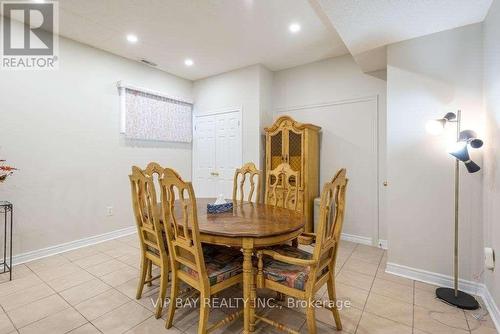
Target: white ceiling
365, 25
219, 35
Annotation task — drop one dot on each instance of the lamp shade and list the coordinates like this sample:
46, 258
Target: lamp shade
450, 116
467, 135
476, 143
436, 126
471, 166
462, 153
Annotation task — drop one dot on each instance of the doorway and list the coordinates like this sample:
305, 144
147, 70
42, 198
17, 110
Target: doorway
217, 152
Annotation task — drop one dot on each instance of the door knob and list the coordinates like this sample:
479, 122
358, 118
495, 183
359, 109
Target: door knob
214, 174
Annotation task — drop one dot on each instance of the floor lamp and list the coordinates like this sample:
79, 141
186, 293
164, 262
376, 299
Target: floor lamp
465, 139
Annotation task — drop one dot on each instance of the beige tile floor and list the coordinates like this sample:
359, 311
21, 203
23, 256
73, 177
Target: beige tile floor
92, 290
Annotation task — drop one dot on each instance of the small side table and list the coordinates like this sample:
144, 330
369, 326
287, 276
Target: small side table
7, 209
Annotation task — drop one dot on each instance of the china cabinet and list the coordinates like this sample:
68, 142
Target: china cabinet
296, 144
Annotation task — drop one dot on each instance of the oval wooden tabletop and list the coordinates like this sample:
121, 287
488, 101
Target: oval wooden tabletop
248, 220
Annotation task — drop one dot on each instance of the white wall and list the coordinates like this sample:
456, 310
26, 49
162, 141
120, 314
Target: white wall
332, 81
428, 77
491, 182
266, 79
328, 80
235, 89
61, 129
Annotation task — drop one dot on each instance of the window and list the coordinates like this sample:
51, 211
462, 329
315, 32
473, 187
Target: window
148, 115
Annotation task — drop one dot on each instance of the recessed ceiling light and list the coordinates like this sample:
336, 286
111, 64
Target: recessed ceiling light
132, 38
294, 27
188, 62
38, 1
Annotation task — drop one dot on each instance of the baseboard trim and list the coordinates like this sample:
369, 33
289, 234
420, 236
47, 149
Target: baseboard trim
357, 239
61, 248
425, 276
432, 278
363, 240
492, 307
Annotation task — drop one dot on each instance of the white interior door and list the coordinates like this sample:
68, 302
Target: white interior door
349, 138
217, 152
204, 167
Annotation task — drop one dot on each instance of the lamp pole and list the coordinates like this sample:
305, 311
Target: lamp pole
457, 197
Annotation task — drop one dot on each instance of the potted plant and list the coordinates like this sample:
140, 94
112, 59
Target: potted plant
5, 171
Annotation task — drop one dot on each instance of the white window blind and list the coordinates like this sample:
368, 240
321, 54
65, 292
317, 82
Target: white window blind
148, 115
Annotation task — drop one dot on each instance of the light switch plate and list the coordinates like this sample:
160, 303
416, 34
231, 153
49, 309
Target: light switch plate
489, 258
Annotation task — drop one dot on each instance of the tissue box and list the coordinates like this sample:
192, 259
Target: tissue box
219, 208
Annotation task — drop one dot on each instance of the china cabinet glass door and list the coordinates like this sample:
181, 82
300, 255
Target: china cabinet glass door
294, 152
277, 149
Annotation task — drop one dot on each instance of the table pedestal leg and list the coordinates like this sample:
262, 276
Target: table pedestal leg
248, 290
253, 298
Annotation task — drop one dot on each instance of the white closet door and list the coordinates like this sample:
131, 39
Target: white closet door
217, 153
228, 151
204, 156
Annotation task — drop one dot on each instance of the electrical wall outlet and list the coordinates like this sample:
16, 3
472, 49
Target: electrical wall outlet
109, 211
489, 258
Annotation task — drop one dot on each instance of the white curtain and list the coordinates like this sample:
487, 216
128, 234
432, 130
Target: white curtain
152, 117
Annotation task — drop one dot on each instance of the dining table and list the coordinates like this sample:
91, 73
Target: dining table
248, 226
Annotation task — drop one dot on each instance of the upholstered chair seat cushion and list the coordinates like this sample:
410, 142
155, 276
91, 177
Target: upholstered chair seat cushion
293, 276
221, 263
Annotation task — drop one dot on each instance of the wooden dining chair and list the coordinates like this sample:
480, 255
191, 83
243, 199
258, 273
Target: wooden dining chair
300, 274
282, 187
241, 175
282, 190
208, 269
153, 246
